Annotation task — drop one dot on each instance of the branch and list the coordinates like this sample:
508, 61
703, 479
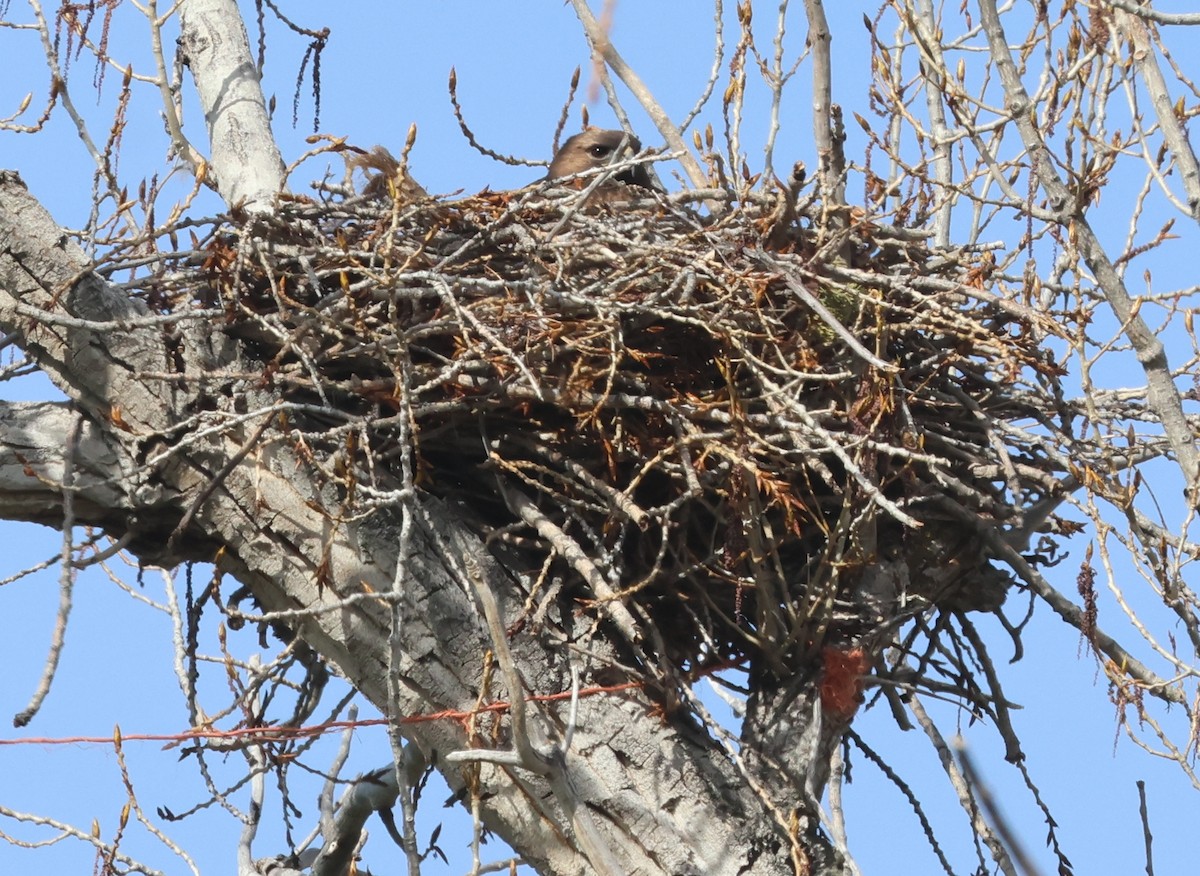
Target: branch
33, 467
369, 793
923, 25
831, 160
1150, 14
247, 163
602, 46
66, 581
1174, 135
1073, 615
963, 789
1162, 393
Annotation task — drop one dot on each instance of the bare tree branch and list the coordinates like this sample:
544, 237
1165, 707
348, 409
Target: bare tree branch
245, 159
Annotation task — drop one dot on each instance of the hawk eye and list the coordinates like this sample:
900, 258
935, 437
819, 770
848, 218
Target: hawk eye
599, 150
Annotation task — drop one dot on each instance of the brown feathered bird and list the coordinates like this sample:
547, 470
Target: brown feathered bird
596, 148
390, 178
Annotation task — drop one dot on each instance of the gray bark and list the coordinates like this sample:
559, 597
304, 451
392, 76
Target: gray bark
245, 159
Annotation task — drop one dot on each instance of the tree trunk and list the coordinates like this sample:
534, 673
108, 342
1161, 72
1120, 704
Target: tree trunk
245, 161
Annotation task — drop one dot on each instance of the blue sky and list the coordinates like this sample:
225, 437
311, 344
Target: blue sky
387, 66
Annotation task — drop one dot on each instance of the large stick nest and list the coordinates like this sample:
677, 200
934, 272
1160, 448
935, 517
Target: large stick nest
736, 426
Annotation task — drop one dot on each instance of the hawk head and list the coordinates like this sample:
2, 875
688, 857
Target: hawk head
595, 148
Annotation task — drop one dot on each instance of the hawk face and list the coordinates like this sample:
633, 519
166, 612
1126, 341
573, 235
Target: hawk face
596, 148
